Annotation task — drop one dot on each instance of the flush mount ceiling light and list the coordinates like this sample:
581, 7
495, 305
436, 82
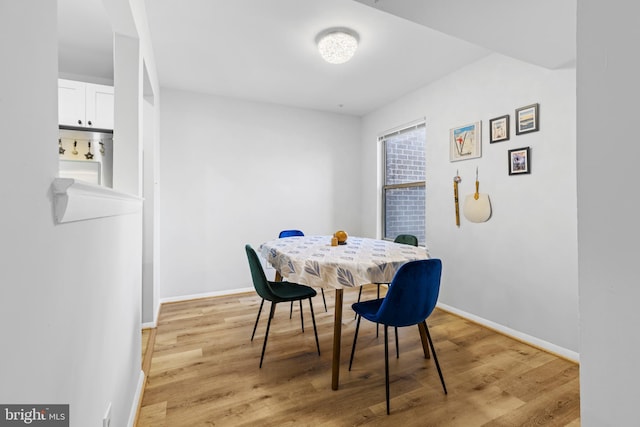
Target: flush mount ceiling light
337, 45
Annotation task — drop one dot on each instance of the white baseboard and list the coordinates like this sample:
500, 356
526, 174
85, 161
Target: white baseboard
136, 400
527, 339
207, 295
154, 322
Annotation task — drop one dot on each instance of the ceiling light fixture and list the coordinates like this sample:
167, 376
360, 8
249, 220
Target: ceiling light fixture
337, 45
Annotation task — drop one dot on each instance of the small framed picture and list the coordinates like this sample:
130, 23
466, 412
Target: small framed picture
465, 142
519, 161
527, 119
499, 129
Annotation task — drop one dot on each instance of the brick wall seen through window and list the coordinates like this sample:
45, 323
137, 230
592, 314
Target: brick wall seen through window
404, 183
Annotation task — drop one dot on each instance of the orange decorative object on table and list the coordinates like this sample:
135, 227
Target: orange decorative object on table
341, 235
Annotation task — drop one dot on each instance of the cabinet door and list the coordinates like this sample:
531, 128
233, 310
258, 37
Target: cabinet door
71, 103
99, 106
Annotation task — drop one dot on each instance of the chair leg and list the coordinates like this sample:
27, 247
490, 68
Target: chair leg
257, 318
355, 338
291, 310
435, 357
315, 330
266, 335
386, 364
397, 347
324, 300
359, 295
377, 324
301, 316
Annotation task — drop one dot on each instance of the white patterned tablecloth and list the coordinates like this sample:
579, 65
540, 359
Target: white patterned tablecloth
312, 261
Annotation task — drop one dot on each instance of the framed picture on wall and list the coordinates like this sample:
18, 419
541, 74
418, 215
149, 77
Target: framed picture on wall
499, 129
527, 119
465, 142
519, 161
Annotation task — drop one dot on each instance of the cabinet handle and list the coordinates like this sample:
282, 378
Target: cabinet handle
89, 123
79, 122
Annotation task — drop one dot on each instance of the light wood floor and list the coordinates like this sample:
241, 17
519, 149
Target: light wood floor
204, 372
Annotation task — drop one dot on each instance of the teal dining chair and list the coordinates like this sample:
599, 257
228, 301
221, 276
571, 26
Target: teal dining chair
284, 233
406, 239
277, 292
411, 298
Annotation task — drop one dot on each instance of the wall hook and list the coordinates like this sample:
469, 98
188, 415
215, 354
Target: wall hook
89, 156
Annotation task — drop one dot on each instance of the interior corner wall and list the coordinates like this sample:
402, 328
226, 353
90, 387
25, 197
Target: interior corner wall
519, 269
136, 77
235, 172
70, 293
150, 250
608, 231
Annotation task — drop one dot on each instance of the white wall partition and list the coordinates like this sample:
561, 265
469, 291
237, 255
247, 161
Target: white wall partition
127, 153
608, 92
519, 269
237, 172
70, 293
70, 296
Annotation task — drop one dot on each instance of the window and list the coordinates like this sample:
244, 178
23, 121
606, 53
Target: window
403, 190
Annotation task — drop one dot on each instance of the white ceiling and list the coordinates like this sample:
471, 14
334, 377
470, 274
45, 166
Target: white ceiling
542, 32
265, 50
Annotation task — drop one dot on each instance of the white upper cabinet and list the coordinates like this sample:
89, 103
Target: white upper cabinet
71, 103
86, 105
99, 106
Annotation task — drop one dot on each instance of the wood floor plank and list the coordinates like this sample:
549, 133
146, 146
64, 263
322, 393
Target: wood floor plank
204, 372
154, 415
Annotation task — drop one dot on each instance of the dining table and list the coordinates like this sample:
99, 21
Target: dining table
313, 261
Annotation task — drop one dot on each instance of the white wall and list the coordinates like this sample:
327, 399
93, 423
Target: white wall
608, 230
69, 294
237, 172
519, 269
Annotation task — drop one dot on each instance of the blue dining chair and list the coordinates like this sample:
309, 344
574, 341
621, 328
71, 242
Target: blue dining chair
405, 239
291, 233
411, 298
277, 292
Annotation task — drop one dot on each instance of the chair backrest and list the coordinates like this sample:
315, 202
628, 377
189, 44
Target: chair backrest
412, 294
406, 239
290, 233
260, 281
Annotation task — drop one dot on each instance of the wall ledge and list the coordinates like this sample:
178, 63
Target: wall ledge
75, 200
